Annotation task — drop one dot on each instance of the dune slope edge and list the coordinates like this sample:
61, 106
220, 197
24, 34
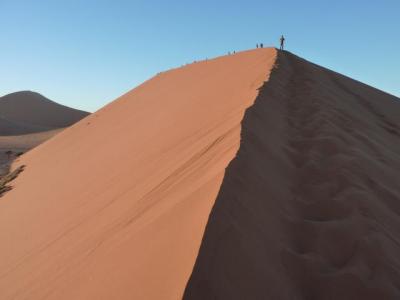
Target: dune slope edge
309, 208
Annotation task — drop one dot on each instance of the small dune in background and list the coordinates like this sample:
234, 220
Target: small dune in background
27, 119
27, 112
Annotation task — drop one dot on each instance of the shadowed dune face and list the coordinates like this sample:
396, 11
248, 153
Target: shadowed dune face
115, 206
309, 207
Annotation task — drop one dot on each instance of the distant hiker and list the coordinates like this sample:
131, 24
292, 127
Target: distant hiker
282, 40
261, 45
234, 51
257, 46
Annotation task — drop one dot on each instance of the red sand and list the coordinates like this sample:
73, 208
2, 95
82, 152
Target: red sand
115, 206
310, 206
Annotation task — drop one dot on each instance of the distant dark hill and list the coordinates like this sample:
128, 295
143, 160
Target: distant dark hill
26, 112
27, 119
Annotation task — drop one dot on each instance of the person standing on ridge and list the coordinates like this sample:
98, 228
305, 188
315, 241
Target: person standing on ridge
282, 39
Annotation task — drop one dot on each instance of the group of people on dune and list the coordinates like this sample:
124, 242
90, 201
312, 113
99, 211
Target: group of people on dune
281, 40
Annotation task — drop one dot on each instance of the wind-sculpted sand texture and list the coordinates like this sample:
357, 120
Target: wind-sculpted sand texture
251, 176
115, 206
310, 206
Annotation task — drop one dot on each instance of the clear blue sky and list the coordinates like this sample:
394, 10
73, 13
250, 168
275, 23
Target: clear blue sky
85, 53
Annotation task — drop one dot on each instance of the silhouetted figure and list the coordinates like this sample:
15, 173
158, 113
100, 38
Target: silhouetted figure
257, 46
282, 39
261, 45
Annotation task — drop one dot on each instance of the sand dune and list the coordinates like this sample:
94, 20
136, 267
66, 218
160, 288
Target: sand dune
176, 190
115, 206
30, 108
27, 119
309, 208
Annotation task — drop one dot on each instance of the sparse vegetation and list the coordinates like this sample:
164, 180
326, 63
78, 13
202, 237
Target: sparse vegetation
8, 153
4, 187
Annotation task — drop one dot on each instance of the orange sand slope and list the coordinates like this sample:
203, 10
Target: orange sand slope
310, 206
115, 206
